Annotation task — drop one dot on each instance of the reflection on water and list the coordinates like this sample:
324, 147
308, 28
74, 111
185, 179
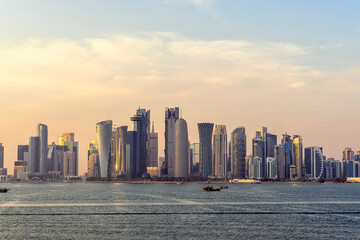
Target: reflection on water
167, 211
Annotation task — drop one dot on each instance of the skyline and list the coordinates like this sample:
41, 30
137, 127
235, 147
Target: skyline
83, 163
290, 66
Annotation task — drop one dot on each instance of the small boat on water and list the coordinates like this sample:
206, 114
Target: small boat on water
4, 190
224, 187
211, 189
179, 183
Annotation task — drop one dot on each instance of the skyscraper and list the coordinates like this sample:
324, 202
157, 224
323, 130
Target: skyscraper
271, 166
121, 149
238, 152
298, 155
181, 149
194, 158
42, 132
34, 155
1, 155
205, 134
357, 155
142, 136
287, 143
219, 159
153, 159
255, 168
314, 162
348, 154
281, 161
93, 160
171, 115
103, 132
130, 154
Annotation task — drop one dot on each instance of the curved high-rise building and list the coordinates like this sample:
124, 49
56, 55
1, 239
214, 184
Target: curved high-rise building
238, 152
219, 159
181, 144
205, 134
103, 133
42, 132
314, 161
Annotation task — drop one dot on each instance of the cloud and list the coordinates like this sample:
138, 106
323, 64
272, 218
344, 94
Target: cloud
299, 84
130, 65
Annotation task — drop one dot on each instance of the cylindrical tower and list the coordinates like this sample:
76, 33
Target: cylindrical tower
181, 144
42, 132
205, 150
103, 133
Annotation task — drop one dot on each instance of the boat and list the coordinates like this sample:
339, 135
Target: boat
179, 183
224, 187
4, 189
211, 189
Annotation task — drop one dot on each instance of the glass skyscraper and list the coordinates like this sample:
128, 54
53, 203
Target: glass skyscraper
205, 134
142, 136
219, 159
103, 133
171, 116
42, 132
238, 152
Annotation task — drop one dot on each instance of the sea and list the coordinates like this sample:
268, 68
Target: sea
171, 211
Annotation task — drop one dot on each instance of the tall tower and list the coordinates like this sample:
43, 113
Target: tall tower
205, 134
1, 155
93, 160
120, 143
103, 133
314, 161
42, 132
219, 159
181, 143
298, 155
171, 115
142, 136
34, 154
238, 152
153, 160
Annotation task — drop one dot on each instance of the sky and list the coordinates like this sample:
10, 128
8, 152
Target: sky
292, 66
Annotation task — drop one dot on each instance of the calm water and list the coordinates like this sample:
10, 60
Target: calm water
170, 211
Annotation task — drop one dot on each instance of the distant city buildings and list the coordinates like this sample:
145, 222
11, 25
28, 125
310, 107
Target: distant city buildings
119, 152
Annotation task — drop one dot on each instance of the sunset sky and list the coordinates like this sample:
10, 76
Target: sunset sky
292, 66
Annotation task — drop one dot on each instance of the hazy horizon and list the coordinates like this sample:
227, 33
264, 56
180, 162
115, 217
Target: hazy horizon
291, 66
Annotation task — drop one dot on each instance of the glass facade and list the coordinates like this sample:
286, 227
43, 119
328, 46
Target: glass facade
103, 133
205, 137
238, 153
